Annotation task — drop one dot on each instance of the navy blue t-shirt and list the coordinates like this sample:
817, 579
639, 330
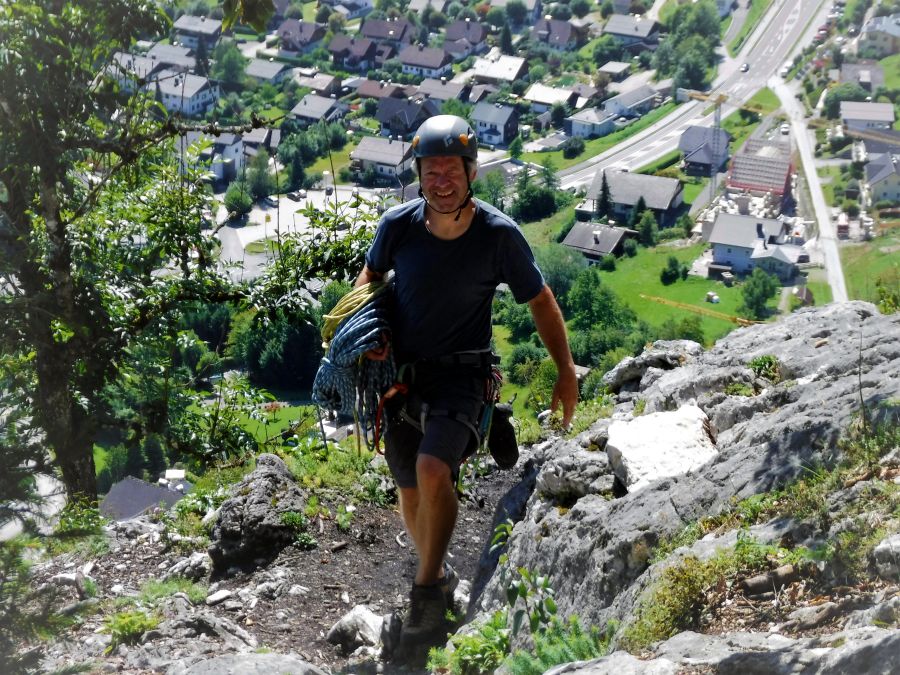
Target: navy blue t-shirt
444, 289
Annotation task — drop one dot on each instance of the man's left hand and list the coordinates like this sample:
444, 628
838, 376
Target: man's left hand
565, 391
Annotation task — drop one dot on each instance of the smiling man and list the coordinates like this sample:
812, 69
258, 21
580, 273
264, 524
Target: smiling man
449, 252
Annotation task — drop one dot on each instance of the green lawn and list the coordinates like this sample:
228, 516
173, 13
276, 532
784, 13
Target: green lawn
818, 284
757, 9
864, 263
540, 232
309, 11
694, 188
891, 66
766, 99
640, 275
830, 175
598, 145
663, 162
739, 129
341, 158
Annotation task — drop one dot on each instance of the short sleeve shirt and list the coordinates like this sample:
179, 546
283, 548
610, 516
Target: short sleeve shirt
444, 289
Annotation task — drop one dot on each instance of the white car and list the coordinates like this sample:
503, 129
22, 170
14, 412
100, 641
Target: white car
784, 71
745, 67
785, 128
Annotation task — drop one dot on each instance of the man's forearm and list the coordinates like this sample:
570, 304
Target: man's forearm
551, 328
366, 276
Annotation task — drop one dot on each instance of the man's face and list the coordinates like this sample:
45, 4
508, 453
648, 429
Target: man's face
443, 181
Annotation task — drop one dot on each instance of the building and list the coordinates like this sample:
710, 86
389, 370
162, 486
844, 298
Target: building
495, 124
880, 36
663, 196
354, 54
223, 156
191, 30
400, 117
380, 89
633, 103
183, 93
862, 115
617, 70
543, 98
313, 108
442, 90
386, 157
464, 38
322, 84
350, 9
878, 142
131, 72
261, 138
595, 241
532, 8
762, 167
301, 36
742, 243
497, 68
883, 178
704, 149
556, 34
418, 6
173, 57
590, 123
396, 32
263, 70
430, 62
867, 74
634, 32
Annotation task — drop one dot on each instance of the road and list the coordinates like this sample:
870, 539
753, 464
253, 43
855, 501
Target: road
787, 25
826, 239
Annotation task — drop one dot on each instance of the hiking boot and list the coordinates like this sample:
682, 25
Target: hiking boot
502, 437
425, 625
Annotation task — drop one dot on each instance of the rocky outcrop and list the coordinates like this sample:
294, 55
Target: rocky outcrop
251, 527
830, 360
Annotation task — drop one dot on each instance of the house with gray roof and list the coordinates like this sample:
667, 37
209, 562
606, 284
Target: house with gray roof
400, 117
418, 6
663, 196
495, 124
533, 8
634, 32
497, 68
379, 89
742, 243
387, 157
397, 32
465, 37
595, 241
864, 115
541, 97
191, 30
322, 84
883, 178
431, 62
556, 34
880, 36
442, 90
313, 108
301, 36
173, 57
183, 93
590, 123
223, 156
131, 71
703, 149
632, 103
352, 53
265, 70
867, 74
617, 70
877, 142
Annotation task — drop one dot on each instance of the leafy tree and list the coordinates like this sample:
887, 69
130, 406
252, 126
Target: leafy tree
491, 188
260, 180
541, 386
580, 8
323, 13
648, 231
573, 147
523, 360
686, 224
515, 147
560, 11
230, 65
496, 16
635, 216
671, 272
756, 291
549, 178
558, 114
336, 22
201, 58
456, 107
607, 48
630, 247
607, 9
691, 70
238, 199
517, 12
593, 303
848, 91
689, 328
560, 266
506, 45
517, 318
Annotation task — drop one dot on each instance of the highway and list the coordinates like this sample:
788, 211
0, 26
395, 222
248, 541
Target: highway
787, 26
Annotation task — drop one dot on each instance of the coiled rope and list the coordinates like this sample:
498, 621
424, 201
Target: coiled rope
348, 382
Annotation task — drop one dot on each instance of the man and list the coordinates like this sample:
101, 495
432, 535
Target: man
449, 252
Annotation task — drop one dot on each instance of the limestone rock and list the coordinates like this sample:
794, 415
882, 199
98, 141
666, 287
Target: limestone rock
617, 663
663, 354
887, 557
196, 567
247, 664
359, 627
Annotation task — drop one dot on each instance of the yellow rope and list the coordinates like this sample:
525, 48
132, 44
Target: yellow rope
349, 305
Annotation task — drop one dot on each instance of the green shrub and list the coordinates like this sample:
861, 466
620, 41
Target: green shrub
766, 366
126, 628
738, 389
561, 643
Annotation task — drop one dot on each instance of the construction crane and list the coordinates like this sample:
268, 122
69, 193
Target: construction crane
700, 310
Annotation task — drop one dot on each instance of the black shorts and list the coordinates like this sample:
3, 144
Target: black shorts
452, 400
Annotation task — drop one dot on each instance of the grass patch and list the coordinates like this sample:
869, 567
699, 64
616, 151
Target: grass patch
866, 262
830, 175
663, 162
766, 99
754, 15
891, 66
542, 231
596, 146
153, 590
693, 188
817, 282
309, 11
739, 129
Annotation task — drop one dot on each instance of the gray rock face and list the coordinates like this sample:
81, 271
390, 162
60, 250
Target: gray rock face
249, 530
359, 627
596, 549
662, 355
887, 557
195, 567
247, 664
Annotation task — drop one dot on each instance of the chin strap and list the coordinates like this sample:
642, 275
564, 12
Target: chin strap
464, 204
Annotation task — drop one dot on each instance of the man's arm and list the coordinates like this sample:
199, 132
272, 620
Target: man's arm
367, 276
550, 326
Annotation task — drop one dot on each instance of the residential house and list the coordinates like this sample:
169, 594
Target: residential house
350, 9
663, 196
595, 241
131, 72
532, 8
480, 92
860, 116
431, 62
191, 30
350, 53
495, 124
464, 38
632, 103
272, 72
867, 74
183, 93
586, 93
224, 156
396, 32
877, 142
883, 178
384, 52
385, 156
704, 149
590, 123
301, 36
173, 57
418, 6
322, 84
400, 117
556, 34
497, 68
616, 70
634, 32
442, 90
621, 6
741, 243
313, 108
762, 167
132, 497
543, 98
380, 89
261, 138
880, 36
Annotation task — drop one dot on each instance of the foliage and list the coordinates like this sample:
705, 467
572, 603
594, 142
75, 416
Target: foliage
607, 48
154, 590
648, 230
592, 303
260, 180
238, 199
847, 91
572, 147
491, 188
515, 147
739, 389
516, 317
543, 380
126, 628
587, 412
756, 292
523, 362
562, 642
673, 271
688, 51
481, 651
560, 266
229, 65
766, 366
79, 517
688, 328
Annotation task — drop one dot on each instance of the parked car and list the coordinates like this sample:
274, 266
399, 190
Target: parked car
297, 195
784, 71
745, 67
785, 128
329, 189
